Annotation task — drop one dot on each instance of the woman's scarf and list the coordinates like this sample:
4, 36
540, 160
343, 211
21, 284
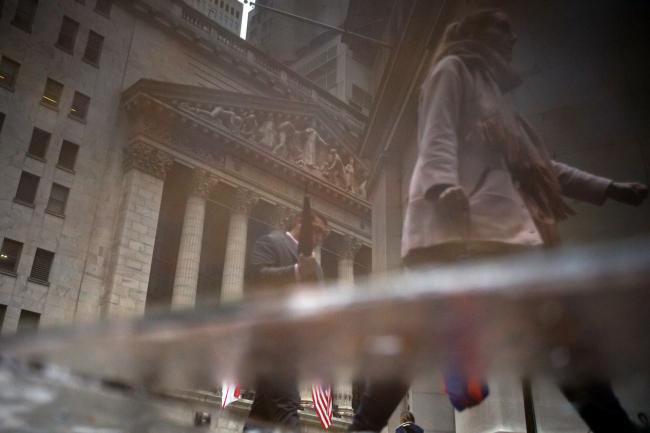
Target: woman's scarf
524, 152
478, 56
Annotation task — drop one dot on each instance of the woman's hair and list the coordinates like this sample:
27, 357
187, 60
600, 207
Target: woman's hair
468, 27
406, 416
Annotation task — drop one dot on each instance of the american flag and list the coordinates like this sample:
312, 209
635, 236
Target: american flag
229, 393
322, 397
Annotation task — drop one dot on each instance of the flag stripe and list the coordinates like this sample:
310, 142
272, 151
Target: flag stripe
322, 397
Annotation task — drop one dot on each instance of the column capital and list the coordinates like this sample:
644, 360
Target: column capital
348, 246
281, 216
202, 182
245, 200
148, 159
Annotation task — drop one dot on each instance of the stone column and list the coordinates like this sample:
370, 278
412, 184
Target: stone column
186, 277
386, 198
145, 168
305, 394
343, 397
347, 250
502, 411
232, 286
430, 405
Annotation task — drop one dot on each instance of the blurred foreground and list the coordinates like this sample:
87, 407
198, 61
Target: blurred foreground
563, 315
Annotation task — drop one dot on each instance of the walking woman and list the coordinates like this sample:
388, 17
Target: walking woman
484, 185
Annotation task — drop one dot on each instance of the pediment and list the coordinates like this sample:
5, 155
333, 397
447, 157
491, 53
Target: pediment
309, 137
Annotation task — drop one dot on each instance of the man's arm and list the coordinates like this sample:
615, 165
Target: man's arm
263, 268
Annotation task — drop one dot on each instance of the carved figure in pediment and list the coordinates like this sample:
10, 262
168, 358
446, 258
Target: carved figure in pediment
228, 118
361, 189
334, 169
267, 132
349, 181
286, 131
312, 139
249, 127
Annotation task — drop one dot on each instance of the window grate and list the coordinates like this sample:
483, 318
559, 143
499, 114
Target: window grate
68, 34
10, 255
8, 73
94, 46
27, 187
79, 107
58, 199
68, 155
3, 308
39, 143
104, 7
28, 321
52, 93
42, 265
25, 12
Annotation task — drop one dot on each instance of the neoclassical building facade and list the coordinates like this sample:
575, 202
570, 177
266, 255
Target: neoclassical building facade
190, 144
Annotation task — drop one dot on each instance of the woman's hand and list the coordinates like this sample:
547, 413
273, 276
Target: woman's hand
454, 205
631, 193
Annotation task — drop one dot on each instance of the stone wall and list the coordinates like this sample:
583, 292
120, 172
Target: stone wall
67, 237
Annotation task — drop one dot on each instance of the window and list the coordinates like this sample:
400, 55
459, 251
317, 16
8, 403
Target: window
8, 73
94, 48
104, 7
28, 321
325, 75
52, 94
58, 199
38, 144
68, 35
41, 266
27, 187
25, 11
3, 308
68, 155
360, 97
79, 108
10, 255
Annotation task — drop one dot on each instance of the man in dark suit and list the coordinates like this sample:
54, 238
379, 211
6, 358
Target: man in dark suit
275, 263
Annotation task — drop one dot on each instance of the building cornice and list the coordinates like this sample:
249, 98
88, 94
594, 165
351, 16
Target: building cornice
251, 63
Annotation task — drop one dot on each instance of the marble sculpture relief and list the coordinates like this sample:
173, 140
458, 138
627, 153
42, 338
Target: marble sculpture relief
297, 139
